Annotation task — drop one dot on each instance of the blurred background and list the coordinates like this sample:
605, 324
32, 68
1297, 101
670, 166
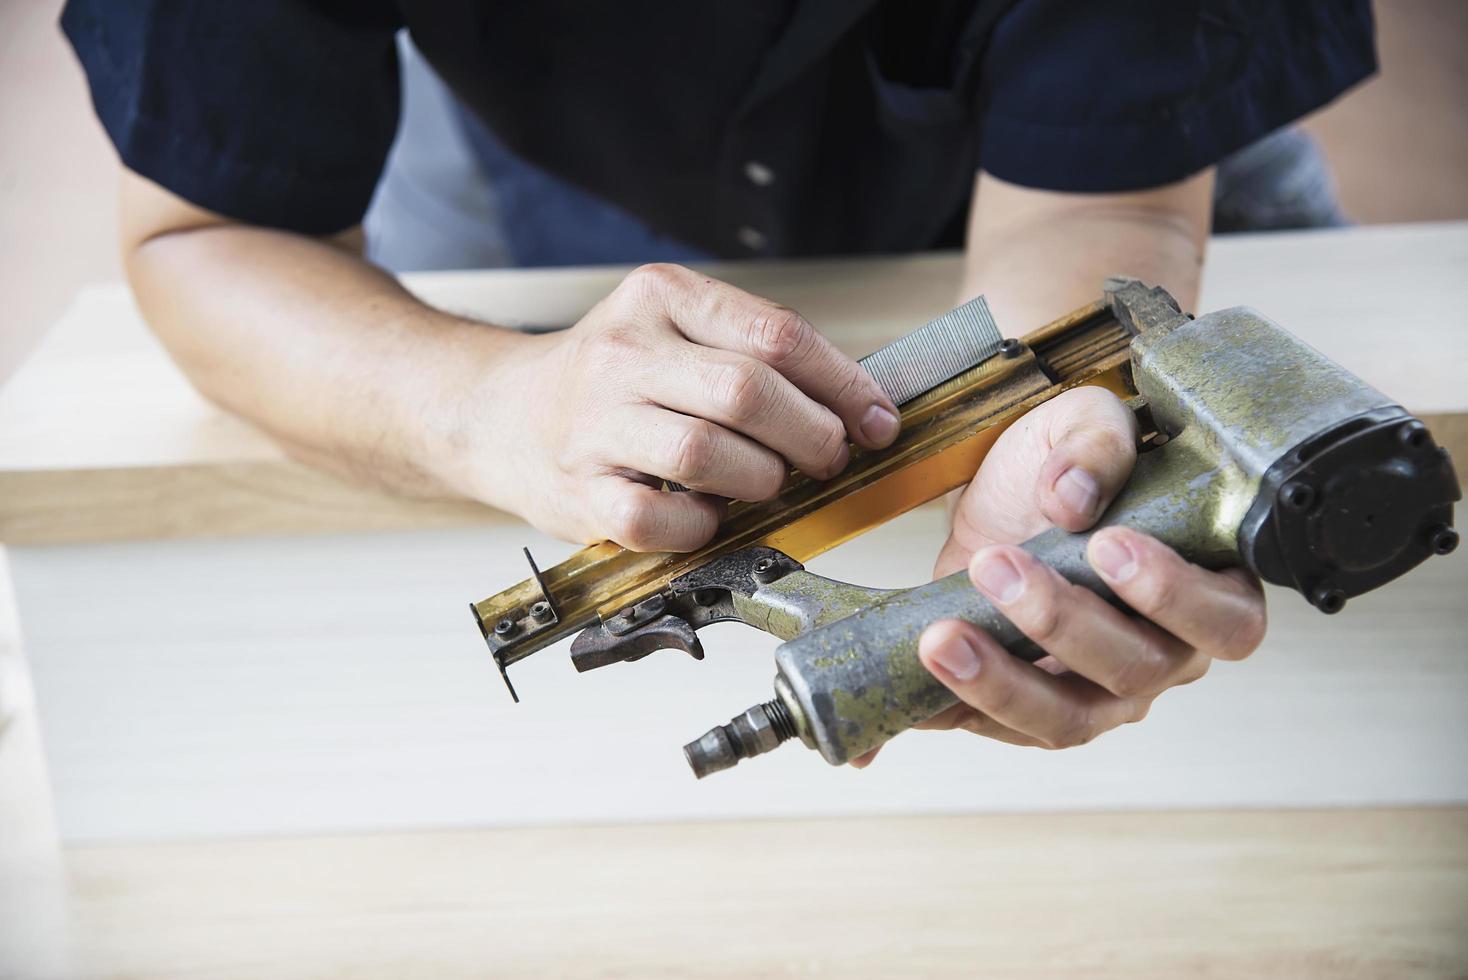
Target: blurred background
1399, 146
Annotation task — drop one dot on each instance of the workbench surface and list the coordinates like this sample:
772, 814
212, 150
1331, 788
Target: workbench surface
1369, 893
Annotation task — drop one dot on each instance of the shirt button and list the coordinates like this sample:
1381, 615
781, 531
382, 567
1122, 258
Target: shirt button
751, 238
759, 175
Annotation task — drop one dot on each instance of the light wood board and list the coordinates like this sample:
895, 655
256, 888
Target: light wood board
1290, 895
102, 438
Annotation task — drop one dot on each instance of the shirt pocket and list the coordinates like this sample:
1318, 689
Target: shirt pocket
908, 112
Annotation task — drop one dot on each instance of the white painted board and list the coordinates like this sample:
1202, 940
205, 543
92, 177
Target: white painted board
203, 688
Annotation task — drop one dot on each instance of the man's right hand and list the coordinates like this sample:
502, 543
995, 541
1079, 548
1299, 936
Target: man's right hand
674, 376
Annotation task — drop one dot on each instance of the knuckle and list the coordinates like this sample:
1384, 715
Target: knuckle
631, 522
1087, 399
853, 384
743, 390
833, 445
654, 277
1139, 711
568, 457
1244, 634
1195, 670
997, 695
1043, 615
1118, 444
975, 722
1154, 592
1145, 671
693, 452
1116, 423
610, 344
780, 335
771, 481
1075, 730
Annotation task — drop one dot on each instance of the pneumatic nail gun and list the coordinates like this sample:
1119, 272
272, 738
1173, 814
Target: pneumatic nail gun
1256, 450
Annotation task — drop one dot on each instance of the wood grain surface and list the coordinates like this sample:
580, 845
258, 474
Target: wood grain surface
1368, 893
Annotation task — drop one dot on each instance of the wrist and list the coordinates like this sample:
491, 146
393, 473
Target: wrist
462, 415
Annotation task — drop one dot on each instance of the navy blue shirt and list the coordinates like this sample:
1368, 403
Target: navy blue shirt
773, 127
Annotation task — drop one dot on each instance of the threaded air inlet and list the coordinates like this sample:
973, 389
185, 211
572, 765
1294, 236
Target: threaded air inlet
779, 716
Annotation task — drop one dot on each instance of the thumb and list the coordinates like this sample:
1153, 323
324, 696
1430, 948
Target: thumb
1093, 446
1060, 465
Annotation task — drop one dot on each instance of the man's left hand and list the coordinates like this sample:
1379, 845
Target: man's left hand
1061, 465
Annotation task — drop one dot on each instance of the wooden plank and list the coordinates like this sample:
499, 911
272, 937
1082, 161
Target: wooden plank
261, 496
101, 438
335, 683
1376, 893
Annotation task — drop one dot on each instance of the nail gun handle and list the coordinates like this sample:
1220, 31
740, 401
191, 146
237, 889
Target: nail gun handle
858, 682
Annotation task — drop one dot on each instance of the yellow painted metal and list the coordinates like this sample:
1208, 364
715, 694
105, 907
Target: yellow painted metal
945, 463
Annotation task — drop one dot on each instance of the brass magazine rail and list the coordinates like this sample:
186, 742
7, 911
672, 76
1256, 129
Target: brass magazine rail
945, 435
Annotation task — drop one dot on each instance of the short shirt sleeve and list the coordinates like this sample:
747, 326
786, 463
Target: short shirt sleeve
273, 112
1114, 96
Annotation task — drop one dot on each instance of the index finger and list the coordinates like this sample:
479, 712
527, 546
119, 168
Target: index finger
716, 314
1220, 613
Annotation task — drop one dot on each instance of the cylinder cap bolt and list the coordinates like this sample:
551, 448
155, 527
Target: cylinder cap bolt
1413, 434
1442, 539
1328, 599
1297, 495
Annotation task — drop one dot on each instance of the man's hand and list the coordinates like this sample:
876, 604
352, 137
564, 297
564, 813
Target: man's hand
1061, 465
673, 376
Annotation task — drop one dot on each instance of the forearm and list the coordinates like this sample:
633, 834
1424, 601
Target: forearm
1037, 255
326, 353
673, 376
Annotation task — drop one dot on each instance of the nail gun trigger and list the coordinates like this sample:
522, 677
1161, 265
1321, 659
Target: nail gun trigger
597, 646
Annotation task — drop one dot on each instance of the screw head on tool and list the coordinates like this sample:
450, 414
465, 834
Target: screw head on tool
504, 627
766, 570
1011, 347
540, 611
1297, 495
1442, 539
1328, 599
1412, 434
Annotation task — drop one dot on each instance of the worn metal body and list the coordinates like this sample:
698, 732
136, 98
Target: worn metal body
1258, 451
